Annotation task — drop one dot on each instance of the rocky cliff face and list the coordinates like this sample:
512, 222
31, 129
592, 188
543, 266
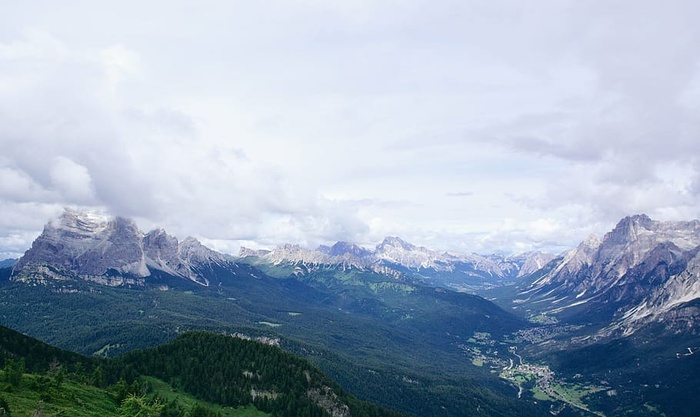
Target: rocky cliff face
87, 244
639, 272
672, 300
112, 251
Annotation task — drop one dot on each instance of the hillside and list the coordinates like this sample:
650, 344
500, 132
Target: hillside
216, 375
400, 362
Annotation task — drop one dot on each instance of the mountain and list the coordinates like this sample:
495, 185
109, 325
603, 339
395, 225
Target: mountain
612, 325
640, 268
7, 263
111, 251
622, 311
401, 260
340, 249
674, 302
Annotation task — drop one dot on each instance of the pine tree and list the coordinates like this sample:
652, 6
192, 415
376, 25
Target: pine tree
14, 371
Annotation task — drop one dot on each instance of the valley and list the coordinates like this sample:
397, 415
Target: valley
393, 326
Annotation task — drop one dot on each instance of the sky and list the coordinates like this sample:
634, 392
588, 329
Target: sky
474, 126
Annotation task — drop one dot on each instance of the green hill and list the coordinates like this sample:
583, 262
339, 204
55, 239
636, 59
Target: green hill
199, 374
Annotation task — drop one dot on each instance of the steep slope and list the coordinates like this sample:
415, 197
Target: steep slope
673, 302
628, 310
110, 251
603, 279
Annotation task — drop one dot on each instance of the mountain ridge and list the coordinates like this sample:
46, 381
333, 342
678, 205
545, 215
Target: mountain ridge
636, 273
112, 251
401, 259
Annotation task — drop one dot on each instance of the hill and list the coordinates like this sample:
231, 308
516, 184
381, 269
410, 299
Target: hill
217, 375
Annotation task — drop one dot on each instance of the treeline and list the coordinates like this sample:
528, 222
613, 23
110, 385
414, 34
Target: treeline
235, 372
37, 356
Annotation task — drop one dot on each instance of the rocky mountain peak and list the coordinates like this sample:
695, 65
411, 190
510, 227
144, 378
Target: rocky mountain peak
629, 228
638, 257
79, 223
192, 250
345, 248
534, 261
92, 246
245, 252
393, 242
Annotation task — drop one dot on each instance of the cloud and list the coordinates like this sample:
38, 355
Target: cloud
467, 125
18, 186
72, 181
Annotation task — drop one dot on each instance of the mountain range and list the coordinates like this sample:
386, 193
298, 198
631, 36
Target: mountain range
113, 251
604, 322
403, 260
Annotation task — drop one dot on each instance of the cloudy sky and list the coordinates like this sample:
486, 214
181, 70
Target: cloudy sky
468, 125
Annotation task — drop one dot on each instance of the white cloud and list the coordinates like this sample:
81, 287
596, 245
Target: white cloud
72, 181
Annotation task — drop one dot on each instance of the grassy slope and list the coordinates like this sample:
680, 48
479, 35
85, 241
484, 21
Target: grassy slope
70, 399
168, 393
77, 399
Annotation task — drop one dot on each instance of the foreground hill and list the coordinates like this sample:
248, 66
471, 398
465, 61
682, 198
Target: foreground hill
213, 369
235, 372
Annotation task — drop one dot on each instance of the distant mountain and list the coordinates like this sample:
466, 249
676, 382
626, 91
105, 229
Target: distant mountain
111, 251
7, 263
403, 260
642, 271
